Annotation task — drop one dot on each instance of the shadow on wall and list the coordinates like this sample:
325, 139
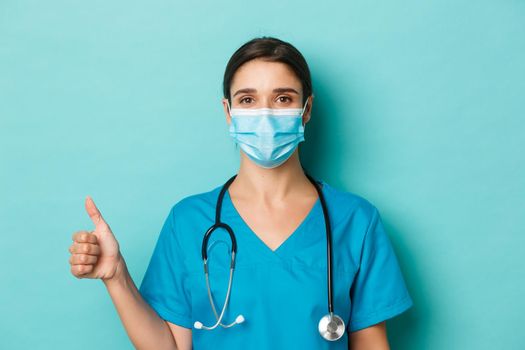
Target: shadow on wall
321, 136
405, 330
332, 121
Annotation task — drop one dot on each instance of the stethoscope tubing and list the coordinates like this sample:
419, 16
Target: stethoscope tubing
334, 323
328, 244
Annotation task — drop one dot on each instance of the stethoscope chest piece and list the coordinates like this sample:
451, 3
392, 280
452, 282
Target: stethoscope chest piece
331, 327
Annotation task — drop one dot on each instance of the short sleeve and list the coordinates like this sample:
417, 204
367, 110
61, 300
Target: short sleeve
379, 291
164, 284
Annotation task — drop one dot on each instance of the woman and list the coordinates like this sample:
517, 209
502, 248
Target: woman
280, 291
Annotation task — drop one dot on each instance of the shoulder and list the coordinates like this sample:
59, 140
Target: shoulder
191, 214
346, 205
195, 203
353, 218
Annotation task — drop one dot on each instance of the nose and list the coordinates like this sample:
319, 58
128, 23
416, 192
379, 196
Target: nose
266, 103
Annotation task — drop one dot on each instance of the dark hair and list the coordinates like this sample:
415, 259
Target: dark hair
273, 50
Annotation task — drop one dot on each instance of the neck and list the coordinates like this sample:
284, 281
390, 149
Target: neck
270, 184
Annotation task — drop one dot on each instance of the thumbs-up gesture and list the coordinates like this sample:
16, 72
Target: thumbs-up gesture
95, 254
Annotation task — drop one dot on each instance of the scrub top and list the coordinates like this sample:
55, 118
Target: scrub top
281, 293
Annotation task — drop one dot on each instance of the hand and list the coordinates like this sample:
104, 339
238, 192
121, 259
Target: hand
95, 254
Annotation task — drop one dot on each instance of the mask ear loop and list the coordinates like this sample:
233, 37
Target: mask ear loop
305, 104
228, 105
302, 113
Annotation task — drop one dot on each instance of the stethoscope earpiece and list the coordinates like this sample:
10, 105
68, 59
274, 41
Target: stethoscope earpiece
239, 319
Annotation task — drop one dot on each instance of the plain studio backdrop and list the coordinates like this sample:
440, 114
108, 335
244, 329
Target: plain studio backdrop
419, 108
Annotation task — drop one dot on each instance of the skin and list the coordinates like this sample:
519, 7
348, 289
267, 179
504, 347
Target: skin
272, 202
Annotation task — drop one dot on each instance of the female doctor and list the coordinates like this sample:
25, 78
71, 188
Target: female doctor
269, 259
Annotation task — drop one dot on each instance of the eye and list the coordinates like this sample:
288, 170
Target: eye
284, 99
245, 100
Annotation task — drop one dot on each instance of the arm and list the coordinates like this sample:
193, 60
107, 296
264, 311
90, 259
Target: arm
96, 254
143, 326
370, 338
378, 292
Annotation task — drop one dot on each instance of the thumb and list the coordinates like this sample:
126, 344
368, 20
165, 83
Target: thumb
94, 213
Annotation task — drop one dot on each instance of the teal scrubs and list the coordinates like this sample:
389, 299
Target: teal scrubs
281, 293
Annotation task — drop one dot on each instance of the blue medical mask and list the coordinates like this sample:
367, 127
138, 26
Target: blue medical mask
268, 136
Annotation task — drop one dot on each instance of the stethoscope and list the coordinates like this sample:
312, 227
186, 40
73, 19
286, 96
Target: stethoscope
331, 327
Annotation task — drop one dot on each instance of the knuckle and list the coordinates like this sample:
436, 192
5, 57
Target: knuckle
76, 235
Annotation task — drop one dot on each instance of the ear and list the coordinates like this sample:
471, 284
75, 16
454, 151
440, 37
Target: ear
308, 109
226, 112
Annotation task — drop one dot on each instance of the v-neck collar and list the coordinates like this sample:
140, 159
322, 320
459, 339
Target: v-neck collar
253, 237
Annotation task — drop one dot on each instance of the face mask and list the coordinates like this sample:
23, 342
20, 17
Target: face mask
268, 136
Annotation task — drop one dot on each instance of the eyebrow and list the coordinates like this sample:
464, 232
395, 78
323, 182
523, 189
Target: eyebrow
277, 90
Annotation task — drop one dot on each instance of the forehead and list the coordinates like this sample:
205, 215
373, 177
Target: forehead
261, 74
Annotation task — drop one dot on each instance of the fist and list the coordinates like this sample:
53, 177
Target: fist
96, 253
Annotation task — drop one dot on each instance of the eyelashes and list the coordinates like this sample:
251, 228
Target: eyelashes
242, 100
280, 99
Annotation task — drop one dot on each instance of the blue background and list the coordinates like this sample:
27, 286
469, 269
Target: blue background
418, 108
